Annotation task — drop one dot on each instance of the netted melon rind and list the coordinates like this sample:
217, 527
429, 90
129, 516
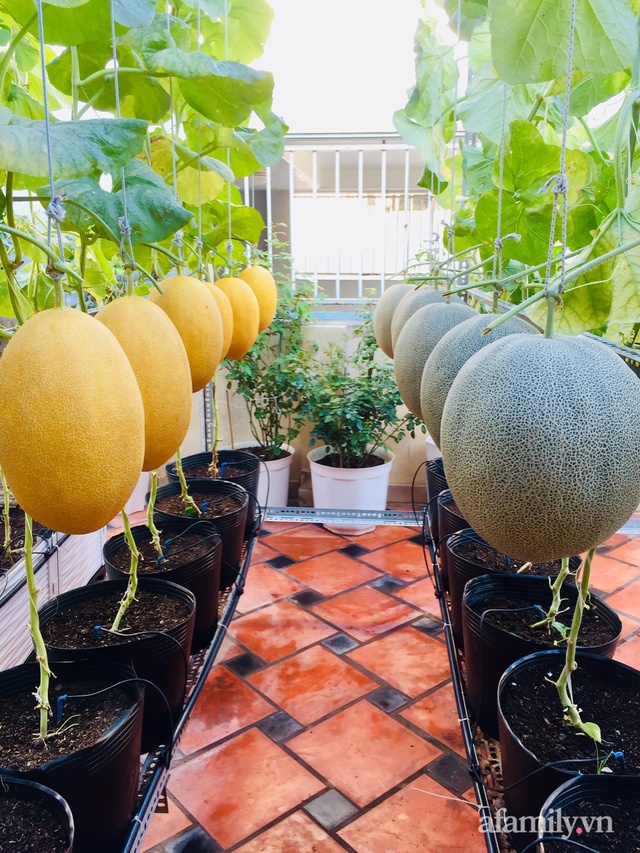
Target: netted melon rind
541, 446
449, 355
383, 315
417, 341
417, 298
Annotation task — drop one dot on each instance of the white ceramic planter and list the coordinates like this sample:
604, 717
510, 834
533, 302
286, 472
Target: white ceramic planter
349, 488
433, 451
273, 480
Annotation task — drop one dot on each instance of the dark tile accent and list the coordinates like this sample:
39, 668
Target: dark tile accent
354, 550
418, 539
191, 841
429, 624
340, 643
331, 809
280, 562
245, 664
388, 699
263, 534
387, 583
307, 598
279, 726
452, 772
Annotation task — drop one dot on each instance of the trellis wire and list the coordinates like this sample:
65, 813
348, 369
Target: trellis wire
497, 257
450, 229
178, 236
560, 182
229, 221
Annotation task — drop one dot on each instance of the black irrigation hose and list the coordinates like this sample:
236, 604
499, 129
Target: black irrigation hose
614, 754
577, 844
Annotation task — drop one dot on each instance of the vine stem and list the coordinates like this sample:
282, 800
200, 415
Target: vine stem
132, 586
184, 490
153, 530
56, 261
556, 599
14, 290
11, 49
563, 684
214, 468
17, 245
42, 691
551, 315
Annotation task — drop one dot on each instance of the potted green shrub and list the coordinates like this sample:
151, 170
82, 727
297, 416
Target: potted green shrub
352, 403
272, 379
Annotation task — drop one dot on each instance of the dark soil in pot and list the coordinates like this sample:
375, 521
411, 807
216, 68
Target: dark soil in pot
16, 517
178, 552
28, 826
267, 454
483, 554
334, 460
210, 507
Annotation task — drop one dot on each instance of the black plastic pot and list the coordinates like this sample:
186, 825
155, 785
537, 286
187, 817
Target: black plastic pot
100, 782
527, 781
449, 521
569, 799
46, 798
200, 576
230, 526
161, 657
240, 458
462, 569
489, 649
436, 483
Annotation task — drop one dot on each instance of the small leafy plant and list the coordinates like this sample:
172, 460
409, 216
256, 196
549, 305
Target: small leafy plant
272, 377
353, 402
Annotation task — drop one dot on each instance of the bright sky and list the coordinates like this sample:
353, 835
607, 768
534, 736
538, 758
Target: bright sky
341, 65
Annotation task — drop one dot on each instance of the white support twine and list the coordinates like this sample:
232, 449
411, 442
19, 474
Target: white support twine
229, 221
450, 230
55, 211
560, 182
498, 243
198, 239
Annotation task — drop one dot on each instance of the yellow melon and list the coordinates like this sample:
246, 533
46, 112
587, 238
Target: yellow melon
226, 312
265, 289
159, 360
195, 313
71, 421
246, 315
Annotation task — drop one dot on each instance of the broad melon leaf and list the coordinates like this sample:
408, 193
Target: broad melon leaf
225, 92
246, 223
589, 90
153, 211
248, 25
478, 168
430, 145
481, 108
78, 147
532, 226
473, 13
530, 38
267, 145
436, 76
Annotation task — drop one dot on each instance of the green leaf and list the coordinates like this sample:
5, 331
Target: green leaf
593, 731
78, 147
248, 25
153, 211
225, 92
589, 90
27, 57
246, 223
267, 145
436, 77
482, 106
478, 169
530, 38
532, 226
430, 145
473, 13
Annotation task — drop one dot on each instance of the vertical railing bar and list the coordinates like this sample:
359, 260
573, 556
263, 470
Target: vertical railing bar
383, 199
336, 183
269, 217
292, 195
246, 192
406, 206
360, 202
314, 195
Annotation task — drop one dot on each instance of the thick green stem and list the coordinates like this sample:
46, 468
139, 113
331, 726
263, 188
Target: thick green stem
131, 287
540, 99
42, 691
49, 252
157, 248
517, 309
551, 315
214, 468
14, 290
11, 49
108, 73
17, 245
132, 586
563, 684
75, 77
189, 502
6, 499
621, 143
594, 142
153, 530
495, 300
556, 598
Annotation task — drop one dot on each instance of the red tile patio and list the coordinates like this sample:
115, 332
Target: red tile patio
339, 731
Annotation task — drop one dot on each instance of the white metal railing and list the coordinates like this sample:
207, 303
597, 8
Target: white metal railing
350, 209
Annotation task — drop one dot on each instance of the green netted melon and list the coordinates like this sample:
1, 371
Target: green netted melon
411, 302
455, 348
541, 445
383, 315
417, 341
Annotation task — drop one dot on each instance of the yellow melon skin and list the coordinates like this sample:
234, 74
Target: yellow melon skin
71, 421
195, 314
159, 360
226, 313
246, 315
265, 289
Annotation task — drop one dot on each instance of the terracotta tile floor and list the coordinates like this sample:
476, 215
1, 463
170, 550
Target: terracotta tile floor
329, 721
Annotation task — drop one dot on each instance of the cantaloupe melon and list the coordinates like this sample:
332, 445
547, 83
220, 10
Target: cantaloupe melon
246, 315
383, 315
412, 302
194, 312
416, 342
450, 353
226, 313
71, 421
541, 445
265, 290
159, 360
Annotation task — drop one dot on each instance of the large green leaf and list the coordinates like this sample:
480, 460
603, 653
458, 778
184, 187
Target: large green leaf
589, 90
267, 145
436, 77
430, 145
153, 211
225, 92
70, 24
248, 25
478, 168
482, 106
246, 223
530, 38
532, 227
473, 13
77, 147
